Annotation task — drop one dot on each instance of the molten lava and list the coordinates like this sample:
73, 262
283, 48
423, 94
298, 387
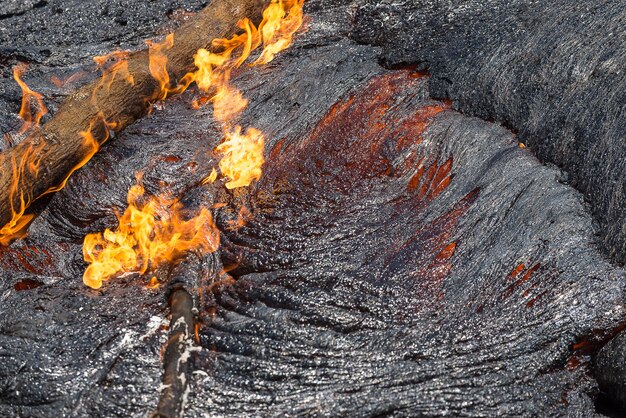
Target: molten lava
153, 230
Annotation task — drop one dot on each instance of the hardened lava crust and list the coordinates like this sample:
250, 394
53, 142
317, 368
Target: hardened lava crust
402, 255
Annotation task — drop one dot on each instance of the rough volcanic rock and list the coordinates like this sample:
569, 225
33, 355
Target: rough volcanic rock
397, 258
553, 71
610, 372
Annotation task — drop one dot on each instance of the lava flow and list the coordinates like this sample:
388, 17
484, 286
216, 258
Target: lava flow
152, 230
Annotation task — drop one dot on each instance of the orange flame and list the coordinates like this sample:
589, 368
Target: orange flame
18, 199
152, 230
28, 96
29, 165
242, 157
91, 147
211, 177
111, 65
280, 21
242, 154
158, 64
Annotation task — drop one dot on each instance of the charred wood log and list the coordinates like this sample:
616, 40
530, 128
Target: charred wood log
184, 279
97, 110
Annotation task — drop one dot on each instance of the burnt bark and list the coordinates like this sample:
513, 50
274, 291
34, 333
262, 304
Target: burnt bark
101, 109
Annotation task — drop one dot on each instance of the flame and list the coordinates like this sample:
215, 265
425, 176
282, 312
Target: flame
158, 64
154, 283
211, 177
29, 165
243, 217
152, 231
91, 145
18, 199
111, 65
28, 96
242, 157
242, 154
280, 21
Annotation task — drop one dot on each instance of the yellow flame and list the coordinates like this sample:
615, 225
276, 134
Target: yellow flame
281, 19
152, 230
242, 157
242, 154
211, 177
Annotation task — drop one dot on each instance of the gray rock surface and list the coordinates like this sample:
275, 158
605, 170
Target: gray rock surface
553, 71
401, 259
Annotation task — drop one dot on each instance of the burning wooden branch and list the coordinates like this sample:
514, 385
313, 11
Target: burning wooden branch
47, 157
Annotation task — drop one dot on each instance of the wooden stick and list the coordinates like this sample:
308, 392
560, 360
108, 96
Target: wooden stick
175, 375
42, 162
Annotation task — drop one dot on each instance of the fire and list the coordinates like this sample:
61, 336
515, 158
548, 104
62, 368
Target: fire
15, 228
29, 163
111, 65
211, 177
30, 98
280, 21
242, 153
153, 230
158, 64
242, 157
91, 146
